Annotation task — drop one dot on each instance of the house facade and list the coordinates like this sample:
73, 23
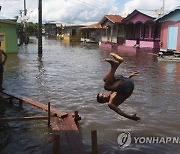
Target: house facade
52, 29
114, 29
141, 29
8, 36
72, 33
92, 33
170, 30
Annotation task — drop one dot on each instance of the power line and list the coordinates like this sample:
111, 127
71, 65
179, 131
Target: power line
88, 4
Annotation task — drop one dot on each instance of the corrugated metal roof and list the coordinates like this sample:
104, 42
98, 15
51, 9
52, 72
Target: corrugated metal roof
162, 16
150, 13
8, 21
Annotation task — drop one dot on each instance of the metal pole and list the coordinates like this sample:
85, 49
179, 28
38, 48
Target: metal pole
25, 29
25, 10
40, 29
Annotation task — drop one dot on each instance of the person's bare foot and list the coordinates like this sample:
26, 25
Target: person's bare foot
117, 57
112, 62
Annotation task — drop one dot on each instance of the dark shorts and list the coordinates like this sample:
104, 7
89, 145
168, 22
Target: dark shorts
125, 87
1, 68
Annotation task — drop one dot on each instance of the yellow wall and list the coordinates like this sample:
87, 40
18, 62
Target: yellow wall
66, 37
3, 43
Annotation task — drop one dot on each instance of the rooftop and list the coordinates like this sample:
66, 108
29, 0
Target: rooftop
162, 16
112, 18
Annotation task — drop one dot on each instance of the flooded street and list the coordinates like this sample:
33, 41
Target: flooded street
70, 77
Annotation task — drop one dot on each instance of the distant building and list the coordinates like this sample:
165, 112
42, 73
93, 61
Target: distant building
141, 29
72, 32
52, 29
8, 36
170, 30
92, 33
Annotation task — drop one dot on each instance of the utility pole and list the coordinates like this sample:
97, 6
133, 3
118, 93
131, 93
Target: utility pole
25, 10
40, 29
25, 27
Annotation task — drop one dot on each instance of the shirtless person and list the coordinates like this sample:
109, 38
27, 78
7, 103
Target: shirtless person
2, 63
121, 88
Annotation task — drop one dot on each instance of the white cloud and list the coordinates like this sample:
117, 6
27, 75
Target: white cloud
75, 10
149, 5
80, 10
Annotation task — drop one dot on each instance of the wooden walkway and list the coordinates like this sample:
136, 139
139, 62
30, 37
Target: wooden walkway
67, 139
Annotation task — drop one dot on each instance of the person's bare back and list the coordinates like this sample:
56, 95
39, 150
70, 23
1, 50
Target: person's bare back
121, 88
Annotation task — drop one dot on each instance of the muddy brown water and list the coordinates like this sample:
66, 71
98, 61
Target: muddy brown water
70, 76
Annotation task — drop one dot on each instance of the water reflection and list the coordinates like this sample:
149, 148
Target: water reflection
71, 76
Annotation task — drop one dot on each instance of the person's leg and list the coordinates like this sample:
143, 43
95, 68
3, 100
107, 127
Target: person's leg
111, 83
119, 60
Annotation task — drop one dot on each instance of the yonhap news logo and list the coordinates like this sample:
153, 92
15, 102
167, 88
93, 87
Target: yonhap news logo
125, 139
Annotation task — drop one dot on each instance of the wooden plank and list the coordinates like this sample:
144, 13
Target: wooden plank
56, 124
36, 104
73, 137
94, 141
23, 118
64, 125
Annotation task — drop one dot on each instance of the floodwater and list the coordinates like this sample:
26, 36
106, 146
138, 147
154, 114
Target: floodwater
70, 76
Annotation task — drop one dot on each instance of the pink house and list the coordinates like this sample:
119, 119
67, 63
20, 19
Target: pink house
170, 30
141, 29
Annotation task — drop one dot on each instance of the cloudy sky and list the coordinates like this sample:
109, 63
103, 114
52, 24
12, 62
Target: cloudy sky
80, 11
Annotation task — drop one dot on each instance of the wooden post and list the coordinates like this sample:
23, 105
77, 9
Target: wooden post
56, 143
94, 141
76, 117
49, 114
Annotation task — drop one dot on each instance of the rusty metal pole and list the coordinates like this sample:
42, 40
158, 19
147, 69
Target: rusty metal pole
94, 141
49, 114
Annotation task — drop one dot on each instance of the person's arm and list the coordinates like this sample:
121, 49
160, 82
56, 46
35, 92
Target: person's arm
120, 112
133, 74
5, 57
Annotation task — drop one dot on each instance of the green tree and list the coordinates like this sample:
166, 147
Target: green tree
31, 28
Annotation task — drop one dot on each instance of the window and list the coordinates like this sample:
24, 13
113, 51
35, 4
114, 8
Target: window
73, 32
146, 31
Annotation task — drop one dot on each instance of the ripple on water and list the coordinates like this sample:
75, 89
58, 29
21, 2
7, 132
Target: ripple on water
70, 77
